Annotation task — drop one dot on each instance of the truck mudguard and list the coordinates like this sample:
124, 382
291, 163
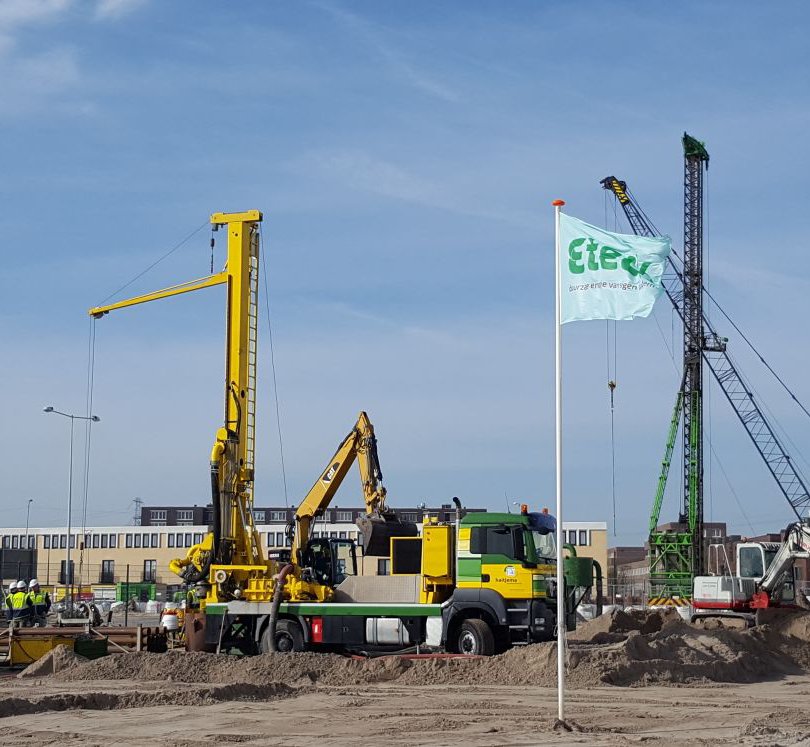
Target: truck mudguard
485, 600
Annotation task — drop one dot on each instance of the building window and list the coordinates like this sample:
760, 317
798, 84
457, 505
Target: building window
198, 538
188, 539
279, 539
155, 540
137, 539
717, 533
258, 517
342, 535
64, 578
129, 540
15, 542
54, 541
95, 540
113, 540
107, 572
6, 541
179, 542
170, 538
62, 541
72, 541
149, 571
409, 516
88, 540
583, 537
46, 542
383, 566
343, 516
157, 514
157, 523
333, 535
185, 514
278, 516
104, 538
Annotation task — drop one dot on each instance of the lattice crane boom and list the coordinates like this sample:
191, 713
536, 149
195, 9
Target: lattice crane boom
740, 397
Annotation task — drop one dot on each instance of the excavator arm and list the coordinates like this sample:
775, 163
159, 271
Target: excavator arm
379, 524
796, 545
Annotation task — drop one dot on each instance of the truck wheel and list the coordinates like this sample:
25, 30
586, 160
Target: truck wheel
289, 638
475, 638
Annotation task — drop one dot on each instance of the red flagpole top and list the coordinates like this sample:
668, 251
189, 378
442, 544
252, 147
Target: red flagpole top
558, 203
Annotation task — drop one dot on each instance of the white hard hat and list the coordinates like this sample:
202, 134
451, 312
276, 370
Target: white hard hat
21, 585
13, 585
34, 582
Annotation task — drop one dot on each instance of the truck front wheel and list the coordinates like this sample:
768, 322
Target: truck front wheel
475, 638
289, 638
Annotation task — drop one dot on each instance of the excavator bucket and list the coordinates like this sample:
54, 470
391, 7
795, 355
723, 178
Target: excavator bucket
378, 529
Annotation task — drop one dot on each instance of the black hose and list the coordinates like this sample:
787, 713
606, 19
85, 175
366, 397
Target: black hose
598, 587
277, 595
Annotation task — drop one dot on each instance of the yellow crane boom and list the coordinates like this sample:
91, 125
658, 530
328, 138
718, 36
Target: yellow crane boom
229, 562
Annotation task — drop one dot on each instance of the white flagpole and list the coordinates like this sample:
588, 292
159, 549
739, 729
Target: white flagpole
560, 560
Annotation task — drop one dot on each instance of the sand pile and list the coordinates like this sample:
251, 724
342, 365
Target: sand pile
58, 659
618, 624
615, 650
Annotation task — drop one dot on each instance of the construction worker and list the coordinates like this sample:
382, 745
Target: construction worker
40, 603
12, 590
21, 605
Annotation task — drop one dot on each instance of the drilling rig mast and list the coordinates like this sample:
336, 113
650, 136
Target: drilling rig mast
676, 555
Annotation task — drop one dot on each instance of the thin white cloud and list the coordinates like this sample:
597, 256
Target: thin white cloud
362, 171
18, 12
395, 59
114, 9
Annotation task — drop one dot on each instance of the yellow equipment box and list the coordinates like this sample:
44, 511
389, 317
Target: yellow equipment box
29, 650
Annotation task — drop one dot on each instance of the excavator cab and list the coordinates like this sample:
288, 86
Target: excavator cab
330, 560
377, 529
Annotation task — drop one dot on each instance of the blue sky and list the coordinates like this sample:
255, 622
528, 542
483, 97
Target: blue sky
404, 156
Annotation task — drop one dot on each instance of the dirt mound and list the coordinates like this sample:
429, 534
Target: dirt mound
176, 666
58, 659
794, 623
675, 653
616, 625
109, 701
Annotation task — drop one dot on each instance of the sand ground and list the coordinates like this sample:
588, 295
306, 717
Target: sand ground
125, 712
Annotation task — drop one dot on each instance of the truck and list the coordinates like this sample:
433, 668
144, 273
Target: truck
764, 578
476, 585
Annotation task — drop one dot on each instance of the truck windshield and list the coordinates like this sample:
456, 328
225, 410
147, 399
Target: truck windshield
545, 545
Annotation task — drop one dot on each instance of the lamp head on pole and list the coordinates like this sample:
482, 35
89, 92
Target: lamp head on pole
95, 418
49, 408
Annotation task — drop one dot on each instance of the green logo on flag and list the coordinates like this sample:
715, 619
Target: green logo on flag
602, 258
606, 275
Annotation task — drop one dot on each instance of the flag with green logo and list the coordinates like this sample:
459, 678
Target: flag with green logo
607, 275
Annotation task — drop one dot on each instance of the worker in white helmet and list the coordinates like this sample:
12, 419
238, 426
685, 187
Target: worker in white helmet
20, 605
12, 590
40, 603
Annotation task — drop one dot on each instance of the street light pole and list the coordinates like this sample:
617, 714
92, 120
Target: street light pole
68, 573
27, 517
30, 573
